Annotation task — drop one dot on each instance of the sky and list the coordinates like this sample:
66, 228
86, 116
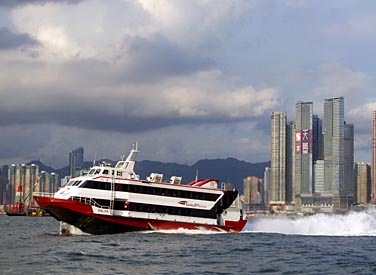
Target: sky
187, 80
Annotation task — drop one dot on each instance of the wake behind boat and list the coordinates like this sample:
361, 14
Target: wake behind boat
112, 200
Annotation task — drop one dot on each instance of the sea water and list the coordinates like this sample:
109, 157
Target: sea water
320, 244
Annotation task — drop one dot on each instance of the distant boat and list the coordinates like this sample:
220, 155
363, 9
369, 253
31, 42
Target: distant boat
18, 208
115, 200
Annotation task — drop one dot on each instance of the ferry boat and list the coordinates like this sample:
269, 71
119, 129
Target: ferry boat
111, 200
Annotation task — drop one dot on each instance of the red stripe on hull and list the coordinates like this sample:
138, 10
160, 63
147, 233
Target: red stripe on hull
81, 215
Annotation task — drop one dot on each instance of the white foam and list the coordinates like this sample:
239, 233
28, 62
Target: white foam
351, 224
184, 231
67, 229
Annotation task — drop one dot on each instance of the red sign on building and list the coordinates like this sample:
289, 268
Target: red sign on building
303, 141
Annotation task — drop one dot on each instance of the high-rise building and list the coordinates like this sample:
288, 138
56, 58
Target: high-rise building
1, 186
278, 158
48, 183
318, 176
290, 162
24, 175
76, 161
349, 175
252, 190
363, 182
266, 193
317, 139
373, 164
334, 151
303, 149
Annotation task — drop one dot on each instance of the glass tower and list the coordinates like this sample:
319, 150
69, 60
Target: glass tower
76, 160
303, 148
349, 174
334, 145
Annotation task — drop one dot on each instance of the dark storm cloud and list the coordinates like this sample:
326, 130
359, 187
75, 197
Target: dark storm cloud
14, 138
150, 59
98, 116
15, 3
10, 40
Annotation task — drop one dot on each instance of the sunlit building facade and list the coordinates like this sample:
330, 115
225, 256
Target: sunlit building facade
278, 158
334, 155
363, 182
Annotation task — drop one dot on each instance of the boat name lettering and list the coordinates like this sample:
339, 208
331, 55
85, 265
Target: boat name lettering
191, 204
102, 210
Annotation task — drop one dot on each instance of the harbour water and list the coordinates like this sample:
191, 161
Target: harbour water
311, 245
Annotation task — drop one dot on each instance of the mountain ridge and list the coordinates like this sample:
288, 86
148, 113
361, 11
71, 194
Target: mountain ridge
225, 170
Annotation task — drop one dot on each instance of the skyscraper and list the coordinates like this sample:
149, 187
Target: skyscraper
363, 182
303, 148
23, 175
373, 164
334, 150
278, 158
253, 188
349, 175
317, 139
290, 162
266, 193
76, 160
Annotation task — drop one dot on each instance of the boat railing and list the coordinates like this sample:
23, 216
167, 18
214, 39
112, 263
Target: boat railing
90, 201
44, 194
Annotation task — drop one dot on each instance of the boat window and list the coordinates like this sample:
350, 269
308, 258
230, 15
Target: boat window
105, 171
81, 184
119, 173
91, 172
120, 164
97, 171
77, 183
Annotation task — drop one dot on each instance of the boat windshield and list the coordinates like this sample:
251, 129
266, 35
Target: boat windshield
98, 171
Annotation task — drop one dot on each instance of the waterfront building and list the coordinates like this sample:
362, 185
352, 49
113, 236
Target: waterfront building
290, 162
303, 152
363, 182
24, 175
318, 176
29, 177
278, 158
2, 187
266, 193
253, 189
64, 181
48, 182
373, 163
76, 161
317, 139
334, 151
349, 175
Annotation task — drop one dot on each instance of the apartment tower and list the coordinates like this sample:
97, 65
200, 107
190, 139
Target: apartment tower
334, 151
278, 158
363, 179
303, 149
76, 161
373, 164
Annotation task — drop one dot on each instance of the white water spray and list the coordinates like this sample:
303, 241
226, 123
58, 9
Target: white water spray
351, 224
184, 231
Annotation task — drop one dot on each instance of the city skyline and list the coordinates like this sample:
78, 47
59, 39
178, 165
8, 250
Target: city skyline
312, 160
188, 80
